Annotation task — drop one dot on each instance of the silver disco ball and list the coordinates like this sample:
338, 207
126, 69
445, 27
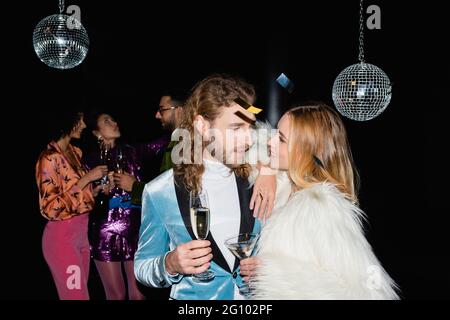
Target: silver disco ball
362, 91
60, 41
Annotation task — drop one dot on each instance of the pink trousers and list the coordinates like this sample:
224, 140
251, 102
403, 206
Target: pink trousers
66, 249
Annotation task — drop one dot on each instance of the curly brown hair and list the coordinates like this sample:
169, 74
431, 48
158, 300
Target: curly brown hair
208, 98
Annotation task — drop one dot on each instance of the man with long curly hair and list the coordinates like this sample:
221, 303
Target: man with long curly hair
221, 114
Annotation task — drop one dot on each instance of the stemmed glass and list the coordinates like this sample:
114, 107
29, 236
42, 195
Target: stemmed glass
105, 158
200, 220
242, 247
119, 161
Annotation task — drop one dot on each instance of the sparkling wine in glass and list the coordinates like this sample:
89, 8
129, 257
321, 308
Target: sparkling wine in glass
242, 247
105, 158
119, 161
200, 220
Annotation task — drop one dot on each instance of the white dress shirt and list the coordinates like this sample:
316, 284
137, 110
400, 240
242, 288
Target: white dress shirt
225, 213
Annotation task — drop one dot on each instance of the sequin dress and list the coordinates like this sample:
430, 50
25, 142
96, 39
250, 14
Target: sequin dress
114, 223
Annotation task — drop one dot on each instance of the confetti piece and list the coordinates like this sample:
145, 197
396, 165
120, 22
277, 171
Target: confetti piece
244, 104
285, 83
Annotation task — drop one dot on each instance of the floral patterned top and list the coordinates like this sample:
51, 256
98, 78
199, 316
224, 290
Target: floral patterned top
59, 196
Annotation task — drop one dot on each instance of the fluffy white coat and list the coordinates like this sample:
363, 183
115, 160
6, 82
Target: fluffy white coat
313, 247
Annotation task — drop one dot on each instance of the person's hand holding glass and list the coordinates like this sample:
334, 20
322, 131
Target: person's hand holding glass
200, 220
242, 246
194, 257
105, 158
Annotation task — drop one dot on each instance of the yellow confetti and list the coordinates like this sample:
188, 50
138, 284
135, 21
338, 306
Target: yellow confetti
254, 110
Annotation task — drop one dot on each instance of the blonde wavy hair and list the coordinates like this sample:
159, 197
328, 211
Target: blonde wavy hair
319, 150
208, 98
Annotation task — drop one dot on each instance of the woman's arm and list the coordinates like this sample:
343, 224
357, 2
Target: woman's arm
264, 190
53, 198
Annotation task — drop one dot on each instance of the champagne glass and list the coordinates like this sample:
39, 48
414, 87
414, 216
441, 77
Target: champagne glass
242, 247
200, 219
105, 157
119, 165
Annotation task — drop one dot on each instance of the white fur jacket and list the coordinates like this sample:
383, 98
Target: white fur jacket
313, 247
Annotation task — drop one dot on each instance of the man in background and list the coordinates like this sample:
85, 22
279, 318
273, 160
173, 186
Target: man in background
169, 111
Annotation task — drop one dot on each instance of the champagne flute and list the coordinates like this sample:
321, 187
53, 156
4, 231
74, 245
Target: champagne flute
119, 165
242, 247
200, 220
105, 157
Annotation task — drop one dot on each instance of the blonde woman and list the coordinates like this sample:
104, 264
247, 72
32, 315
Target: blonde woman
313, 246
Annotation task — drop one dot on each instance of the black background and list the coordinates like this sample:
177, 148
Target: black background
136, 51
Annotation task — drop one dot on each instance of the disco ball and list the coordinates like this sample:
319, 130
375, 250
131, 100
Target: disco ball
60, 41
362, 91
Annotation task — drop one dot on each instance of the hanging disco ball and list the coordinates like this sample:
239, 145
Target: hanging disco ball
362, 91
60, 41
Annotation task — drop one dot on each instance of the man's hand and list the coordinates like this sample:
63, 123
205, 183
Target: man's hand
248, 267
192, 257
124, 181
